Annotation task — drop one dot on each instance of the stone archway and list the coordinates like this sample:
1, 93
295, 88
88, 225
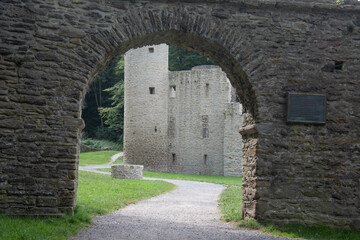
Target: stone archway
51, 51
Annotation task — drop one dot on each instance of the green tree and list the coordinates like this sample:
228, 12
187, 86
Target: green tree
96, 99
114, 114
181, 59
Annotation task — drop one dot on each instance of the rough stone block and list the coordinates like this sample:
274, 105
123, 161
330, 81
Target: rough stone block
127, 171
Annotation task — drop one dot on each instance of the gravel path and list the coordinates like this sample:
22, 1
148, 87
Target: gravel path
189, 212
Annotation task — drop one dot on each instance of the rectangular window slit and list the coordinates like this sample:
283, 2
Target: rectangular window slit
172, 91
207, 87
152, 90
205, 126
151, 50
205, 159
173, 158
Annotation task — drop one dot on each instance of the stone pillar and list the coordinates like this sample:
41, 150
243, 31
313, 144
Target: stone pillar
249, 163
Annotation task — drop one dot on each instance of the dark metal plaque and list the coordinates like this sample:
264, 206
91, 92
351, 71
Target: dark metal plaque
306, 107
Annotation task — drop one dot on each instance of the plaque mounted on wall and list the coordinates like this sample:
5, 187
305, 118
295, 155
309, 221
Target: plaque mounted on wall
306, 107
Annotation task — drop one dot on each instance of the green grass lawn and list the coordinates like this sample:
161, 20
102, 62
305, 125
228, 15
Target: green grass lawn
97, 194
218, 179
96, 158
120, 160
230, 206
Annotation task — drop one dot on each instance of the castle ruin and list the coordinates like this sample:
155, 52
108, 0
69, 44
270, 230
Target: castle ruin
183, 121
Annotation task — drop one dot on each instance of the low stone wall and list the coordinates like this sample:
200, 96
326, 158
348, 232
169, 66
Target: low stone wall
84, 148
127, 171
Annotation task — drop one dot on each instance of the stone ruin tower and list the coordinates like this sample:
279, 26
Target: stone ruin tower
184, 121
146, 107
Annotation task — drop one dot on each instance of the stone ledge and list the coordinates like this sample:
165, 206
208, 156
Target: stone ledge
250, 129
125, 171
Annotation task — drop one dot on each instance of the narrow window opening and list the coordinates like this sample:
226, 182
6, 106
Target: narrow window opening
172, 91
171, 127
151, 50
339, 65
152, 90
207, 90
205, 126
155, 128
205, 132
205, 159
173, 158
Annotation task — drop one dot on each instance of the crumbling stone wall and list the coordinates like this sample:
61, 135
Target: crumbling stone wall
51, 50
196, 144
175, 121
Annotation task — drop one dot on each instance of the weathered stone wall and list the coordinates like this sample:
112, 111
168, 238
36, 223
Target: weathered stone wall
192, 102
51, 50
196, 120
232, 139
146, 113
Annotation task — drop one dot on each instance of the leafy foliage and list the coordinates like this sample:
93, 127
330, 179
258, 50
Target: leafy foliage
101, 143
181, 59
114, 115
97, 99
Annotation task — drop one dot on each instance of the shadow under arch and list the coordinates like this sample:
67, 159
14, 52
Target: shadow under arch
201, 45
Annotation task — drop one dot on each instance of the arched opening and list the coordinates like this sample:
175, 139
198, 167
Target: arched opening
52, 51
228, 64
196, 43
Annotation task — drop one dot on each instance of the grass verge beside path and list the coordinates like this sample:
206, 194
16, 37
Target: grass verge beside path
120, 160
218, 179
96, 158
97, 194
230, 205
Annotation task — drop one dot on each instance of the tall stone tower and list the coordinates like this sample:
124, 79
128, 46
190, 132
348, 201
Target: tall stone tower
146, 107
